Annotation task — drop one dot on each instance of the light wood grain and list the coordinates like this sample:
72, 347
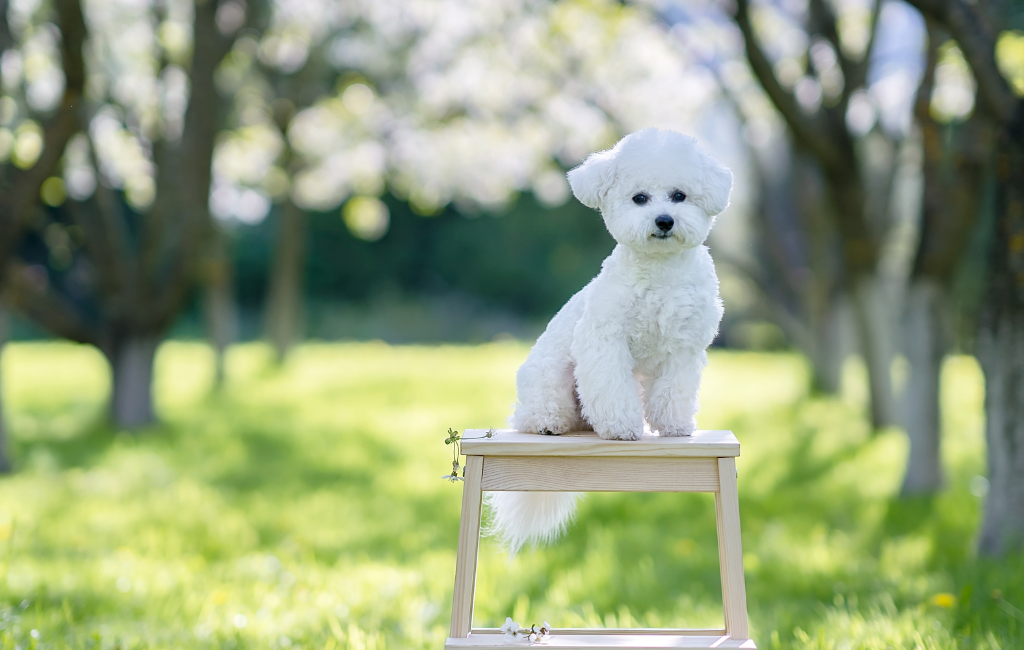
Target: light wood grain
509, 442
671, 631
581, 461
730, 551
469, 547
589, 474
590, 641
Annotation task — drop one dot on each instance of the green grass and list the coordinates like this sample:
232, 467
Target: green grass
304, 507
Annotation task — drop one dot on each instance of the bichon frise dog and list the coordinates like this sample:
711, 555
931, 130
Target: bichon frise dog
630, 345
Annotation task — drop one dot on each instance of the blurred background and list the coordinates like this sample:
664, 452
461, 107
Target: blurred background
244, 243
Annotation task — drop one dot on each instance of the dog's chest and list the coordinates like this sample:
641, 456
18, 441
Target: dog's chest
664, 318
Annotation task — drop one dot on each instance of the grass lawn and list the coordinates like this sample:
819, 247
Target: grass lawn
304, 507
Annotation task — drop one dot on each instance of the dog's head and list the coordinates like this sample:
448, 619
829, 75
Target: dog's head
657, 190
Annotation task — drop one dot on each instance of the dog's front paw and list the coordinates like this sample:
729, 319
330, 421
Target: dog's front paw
546, 430
669, 431
551, 427
620, 432
551, 424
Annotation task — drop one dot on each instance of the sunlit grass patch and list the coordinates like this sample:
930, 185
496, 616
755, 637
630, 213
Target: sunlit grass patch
302, 506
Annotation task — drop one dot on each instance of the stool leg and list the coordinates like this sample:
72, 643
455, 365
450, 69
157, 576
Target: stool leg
469, 548
730, 551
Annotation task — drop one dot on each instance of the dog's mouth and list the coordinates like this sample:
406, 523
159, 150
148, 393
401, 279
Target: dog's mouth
660, 235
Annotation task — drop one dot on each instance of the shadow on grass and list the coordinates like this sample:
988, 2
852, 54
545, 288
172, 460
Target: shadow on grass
904, 515
79, 450
276, 461
805, 467
71, 606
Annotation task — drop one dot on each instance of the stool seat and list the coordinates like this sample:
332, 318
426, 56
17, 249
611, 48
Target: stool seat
581, 461
509, 442
585, 640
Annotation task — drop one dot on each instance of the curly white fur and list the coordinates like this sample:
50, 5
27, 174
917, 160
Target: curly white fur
630, 345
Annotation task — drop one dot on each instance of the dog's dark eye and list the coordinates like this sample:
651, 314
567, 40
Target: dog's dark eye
640, 198
678, 197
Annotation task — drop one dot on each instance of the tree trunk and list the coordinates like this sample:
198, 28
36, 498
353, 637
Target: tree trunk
875, 334
925, 343
131, 362
830, 349
221, 324
219, 305
284, 316
5, 461
1000, 350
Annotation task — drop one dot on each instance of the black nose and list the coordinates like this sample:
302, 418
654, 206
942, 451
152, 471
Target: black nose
664, 222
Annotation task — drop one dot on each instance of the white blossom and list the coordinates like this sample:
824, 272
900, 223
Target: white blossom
509, 629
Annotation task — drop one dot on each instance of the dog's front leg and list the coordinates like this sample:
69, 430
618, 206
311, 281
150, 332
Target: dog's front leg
608, 391
672, 399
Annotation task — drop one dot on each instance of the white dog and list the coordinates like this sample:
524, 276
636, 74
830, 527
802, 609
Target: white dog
632, 344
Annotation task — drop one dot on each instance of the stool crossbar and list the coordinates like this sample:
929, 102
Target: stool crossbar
583, 462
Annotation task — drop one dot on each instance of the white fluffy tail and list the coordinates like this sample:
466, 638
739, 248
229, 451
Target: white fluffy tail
522, 518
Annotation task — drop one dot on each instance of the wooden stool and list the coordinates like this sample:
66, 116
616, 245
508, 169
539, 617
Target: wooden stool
583, 462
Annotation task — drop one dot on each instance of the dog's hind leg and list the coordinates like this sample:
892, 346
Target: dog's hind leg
547, 399
671, 401
545, 383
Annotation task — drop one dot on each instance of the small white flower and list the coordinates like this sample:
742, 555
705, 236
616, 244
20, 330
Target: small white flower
510, 628
533, 637
510, 625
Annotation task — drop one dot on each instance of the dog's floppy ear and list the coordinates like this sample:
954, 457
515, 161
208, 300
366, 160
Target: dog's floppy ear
716, 185
591, 181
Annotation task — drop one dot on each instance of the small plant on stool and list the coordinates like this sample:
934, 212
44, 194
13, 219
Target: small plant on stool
453, 439
513, 632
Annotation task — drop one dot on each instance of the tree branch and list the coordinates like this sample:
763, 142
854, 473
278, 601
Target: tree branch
923, 98
162, 233
99, 243
22, 191
109, 205
858, 75
825, 24
956, 158
6, 39
202, 119
806, 132
29, 291
978, 44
